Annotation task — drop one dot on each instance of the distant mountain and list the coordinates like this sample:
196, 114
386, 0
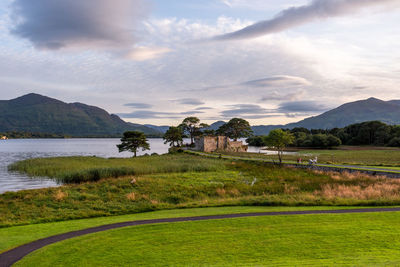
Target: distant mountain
265, 129
215, 126
396, 102
371, 109
41, 114
161, 129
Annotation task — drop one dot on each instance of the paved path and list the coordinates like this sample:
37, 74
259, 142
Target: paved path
10, 257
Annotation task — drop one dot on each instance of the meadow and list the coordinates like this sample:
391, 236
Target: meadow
364, 156
304, 240
190, 181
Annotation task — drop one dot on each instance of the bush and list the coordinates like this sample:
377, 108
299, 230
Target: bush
395, 142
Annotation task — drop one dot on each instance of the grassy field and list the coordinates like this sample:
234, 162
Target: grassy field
320, 240
84, 169
226, 183
18, 235
377, 157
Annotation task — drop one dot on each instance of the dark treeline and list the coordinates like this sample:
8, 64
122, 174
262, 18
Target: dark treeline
26, 135
366, 133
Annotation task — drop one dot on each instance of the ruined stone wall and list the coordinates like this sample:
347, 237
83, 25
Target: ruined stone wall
199, 144
236, 146
219, 143
210, 144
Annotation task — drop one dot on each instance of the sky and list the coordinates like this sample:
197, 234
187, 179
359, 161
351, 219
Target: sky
159, 61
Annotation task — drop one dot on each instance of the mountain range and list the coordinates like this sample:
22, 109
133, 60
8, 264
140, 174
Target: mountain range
371, 109
42, 114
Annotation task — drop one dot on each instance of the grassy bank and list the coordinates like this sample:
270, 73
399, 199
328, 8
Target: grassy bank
321, 240
346, 157
226, 183
84, 169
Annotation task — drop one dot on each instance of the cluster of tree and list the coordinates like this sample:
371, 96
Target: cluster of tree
191, 127
26, 135
366, 133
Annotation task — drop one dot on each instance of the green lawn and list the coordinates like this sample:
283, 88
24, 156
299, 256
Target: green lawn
378, 157
328, 240
18, 235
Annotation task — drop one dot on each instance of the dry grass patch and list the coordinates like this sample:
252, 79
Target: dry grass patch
360, 186
131, 196
60, 195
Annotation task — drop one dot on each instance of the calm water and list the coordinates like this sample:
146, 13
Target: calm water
19, 149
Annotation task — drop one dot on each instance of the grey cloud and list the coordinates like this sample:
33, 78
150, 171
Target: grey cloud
278, 80
148, 114
276, 96
289, 109
189, 101
54, 24
360, 87
139, 105
302, 107
295, 16
192, 112
281, 81
247, 110
203, 108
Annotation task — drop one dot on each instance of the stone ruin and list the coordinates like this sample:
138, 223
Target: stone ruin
219, 143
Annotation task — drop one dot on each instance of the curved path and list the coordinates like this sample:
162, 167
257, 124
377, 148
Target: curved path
10, 257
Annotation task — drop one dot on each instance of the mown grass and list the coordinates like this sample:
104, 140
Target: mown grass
311, 240
390, 158
84, 169
18, 235
226, 183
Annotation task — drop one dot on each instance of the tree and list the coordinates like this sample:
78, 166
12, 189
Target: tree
132, 141
193, 127
173, 135
257, 141
279, 139
236, 128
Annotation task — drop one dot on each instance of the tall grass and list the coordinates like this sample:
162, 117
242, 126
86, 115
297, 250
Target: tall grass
84, 169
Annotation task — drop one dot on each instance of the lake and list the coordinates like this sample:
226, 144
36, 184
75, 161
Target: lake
19, 149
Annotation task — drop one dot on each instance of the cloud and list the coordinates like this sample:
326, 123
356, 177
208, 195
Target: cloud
139, 105
275, 81
203, 108
295, 16
189, 101
360, 87
142, 53
227, 3
276, 96
302, 107
248, 111
50, 24
279, 81
149, 114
